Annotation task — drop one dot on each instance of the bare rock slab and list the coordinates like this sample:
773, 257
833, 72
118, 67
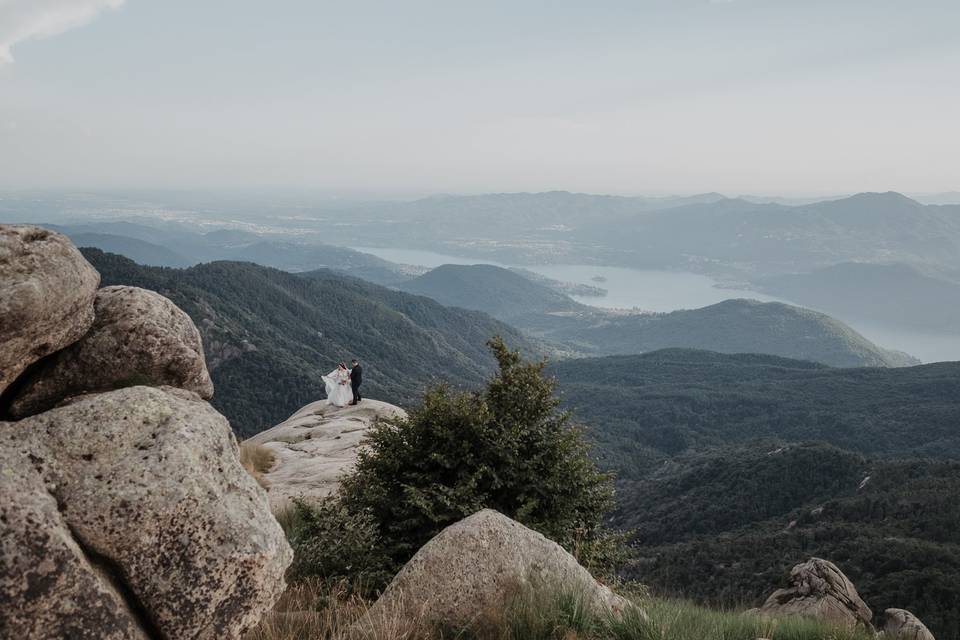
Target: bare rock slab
152, 508
900, 624
316, 446
818, 589
138, 336
46, 296
471, 569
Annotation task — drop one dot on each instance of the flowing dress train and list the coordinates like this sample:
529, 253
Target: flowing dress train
339, 392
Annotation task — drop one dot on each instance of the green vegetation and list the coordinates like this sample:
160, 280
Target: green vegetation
320, 611
731, 326
643, 409
336, 545
504, 294
733, 468
270, 335
506, 447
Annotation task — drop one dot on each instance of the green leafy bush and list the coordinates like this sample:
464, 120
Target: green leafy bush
336, 545
507, 447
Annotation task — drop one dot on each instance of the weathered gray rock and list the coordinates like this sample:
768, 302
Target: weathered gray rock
818, 589
48, 586
137, 336
315, 446
471, 569
46, 296
900, 624
139, 495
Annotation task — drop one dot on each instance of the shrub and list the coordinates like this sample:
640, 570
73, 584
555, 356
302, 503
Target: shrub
336, 545
507, 447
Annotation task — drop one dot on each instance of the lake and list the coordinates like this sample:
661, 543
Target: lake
653, 290
626, 288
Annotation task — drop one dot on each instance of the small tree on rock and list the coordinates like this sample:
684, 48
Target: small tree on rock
508, 447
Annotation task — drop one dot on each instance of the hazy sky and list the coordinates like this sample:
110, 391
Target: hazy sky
408, 96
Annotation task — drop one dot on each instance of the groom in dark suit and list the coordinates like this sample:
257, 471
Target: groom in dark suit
356, 377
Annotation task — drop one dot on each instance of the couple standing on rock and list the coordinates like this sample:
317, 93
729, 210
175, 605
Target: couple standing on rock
338, 394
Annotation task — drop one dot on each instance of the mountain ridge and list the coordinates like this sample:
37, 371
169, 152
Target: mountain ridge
261, 324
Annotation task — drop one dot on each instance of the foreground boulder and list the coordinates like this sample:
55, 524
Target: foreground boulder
137, 336
49, 587
133, 518
314, 447
818, 589
46, 296
900, 624
466, 575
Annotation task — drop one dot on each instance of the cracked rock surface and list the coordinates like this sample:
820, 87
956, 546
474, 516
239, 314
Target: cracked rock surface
818, 589
315, 446
46, 296
127, 515
900, 624
138, 337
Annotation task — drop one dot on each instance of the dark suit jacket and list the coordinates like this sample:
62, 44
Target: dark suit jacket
356, 376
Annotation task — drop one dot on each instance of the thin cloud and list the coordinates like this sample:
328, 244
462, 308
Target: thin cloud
24, 19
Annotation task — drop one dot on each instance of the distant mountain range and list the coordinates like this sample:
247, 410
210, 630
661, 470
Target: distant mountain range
735, 237
179, 248
269, 335
746, 237
733, 326
732, 468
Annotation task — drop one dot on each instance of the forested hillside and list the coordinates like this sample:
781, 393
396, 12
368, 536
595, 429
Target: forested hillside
725, 527
733, 468
731, 326
270, 335
502, 293
647, 407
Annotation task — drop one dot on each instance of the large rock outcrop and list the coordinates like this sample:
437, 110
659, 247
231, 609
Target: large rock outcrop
46, 296
466, 575
818, 589
127, 514
900, 624
315, 446
137, 336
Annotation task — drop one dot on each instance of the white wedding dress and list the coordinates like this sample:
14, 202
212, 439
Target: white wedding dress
339, 392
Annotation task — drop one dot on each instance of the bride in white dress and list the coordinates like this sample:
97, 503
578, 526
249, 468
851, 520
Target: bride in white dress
339, 393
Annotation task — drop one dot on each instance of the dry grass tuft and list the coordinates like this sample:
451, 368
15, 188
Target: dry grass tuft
313, 610
286, 515
257, 460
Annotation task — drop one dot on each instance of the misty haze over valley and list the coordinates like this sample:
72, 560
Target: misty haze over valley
885, 264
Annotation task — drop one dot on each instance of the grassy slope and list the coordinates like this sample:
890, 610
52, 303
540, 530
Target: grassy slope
530, 616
